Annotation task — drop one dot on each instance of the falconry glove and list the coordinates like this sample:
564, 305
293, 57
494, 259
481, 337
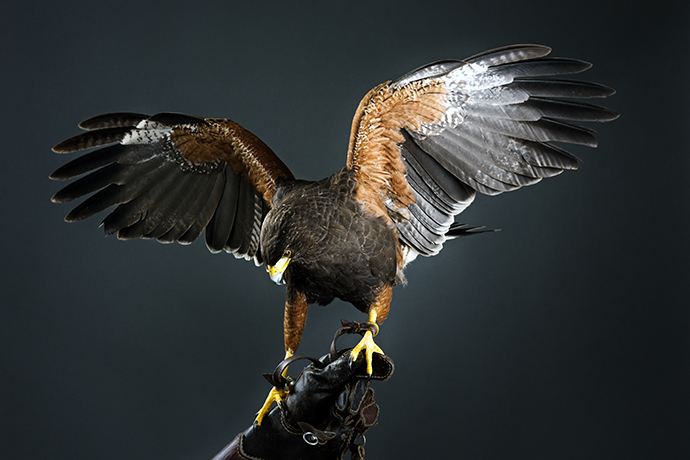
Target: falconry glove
326, 412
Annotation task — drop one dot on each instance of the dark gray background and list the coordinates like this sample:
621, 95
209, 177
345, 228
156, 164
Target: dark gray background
563, 336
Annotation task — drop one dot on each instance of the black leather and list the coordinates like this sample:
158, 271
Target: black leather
325, 414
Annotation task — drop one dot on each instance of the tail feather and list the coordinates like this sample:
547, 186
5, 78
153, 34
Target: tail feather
458, 230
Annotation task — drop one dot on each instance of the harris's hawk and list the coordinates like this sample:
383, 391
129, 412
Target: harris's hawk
420, 148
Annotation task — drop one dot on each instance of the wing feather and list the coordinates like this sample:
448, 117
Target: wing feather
200, 214
173, 205
508, 54
117, 194
428, 189
113, 120
172, 176
88, 162
143, 211
430, 139
244, 236
91, 139
563, 88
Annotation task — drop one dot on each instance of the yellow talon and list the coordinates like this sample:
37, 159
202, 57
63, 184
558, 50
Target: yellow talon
367, 344
275, 395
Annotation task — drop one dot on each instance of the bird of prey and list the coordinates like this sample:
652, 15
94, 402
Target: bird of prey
420, 148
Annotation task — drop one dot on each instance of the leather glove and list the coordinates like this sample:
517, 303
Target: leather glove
325, 413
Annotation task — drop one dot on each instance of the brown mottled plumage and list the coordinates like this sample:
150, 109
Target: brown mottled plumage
376, 133
226, 141
420, 148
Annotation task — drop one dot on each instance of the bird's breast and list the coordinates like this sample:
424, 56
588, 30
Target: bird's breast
341, 249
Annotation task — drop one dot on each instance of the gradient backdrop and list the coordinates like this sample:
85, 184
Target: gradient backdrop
563, 336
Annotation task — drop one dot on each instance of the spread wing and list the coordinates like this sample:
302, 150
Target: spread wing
423, 145
172, 176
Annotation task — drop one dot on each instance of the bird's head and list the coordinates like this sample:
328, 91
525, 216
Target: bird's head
279, 241
276, 244
289, 235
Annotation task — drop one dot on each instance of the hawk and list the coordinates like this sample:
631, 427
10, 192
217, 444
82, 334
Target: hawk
420, 149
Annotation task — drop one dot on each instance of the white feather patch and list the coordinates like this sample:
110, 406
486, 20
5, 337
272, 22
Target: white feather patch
464, 84
147, 132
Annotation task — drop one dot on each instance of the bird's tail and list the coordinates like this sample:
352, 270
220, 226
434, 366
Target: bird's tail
458, 230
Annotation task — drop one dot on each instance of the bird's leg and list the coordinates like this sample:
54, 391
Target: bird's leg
293, 326
377, 311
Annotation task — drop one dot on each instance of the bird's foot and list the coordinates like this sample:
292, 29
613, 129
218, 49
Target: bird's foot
275, 395
369, 347
279, 391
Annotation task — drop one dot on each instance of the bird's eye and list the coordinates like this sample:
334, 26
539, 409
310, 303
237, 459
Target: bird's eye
288, 253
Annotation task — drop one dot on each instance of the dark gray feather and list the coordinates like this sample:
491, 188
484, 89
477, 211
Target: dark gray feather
220, 226
135, 198
244, 220
114, 173
113, 120
438, 177
88, 162
148, 208
198, 213
428, 189
534, 159
542, 67
91, 139
562, 88
508, 54
543, 130
173, 206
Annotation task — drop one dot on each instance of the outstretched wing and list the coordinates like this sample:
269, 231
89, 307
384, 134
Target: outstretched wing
172, 176
422, 146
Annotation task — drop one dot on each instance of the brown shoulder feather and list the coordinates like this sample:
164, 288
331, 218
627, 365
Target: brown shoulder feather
227, 141
373, 152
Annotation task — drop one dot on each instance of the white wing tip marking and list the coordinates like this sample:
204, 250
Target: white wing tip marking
146, 132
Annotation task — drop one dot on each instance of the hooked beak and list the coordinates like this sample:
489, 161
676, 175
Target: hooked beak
277, 271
